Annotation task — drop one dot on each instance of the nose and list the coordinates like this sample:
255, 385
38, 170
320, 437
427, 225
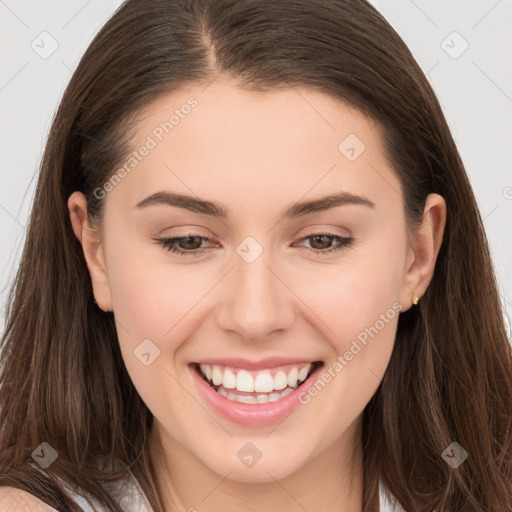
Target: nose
257, 300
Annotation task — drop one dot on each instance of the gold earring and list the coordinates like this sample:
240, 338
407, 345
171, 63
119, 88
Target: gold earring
415, 301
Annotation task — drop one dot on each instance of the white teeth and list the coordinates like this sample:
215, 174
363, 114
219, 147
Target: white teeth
287, 391
264, 383
229, 379
280, 381
216, 375
292, 377
207, 370
258, 399
244, 381
247, 399
303, 373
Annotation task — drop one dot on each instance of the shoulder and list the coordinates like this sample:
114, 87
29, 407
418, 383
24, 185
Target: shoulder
16, 500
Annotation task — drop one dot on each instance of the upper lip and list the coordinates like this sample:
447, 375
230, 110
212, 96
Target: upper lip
261, 364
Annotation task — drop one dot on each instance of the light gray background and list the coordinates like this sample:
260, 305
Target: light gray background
474, 87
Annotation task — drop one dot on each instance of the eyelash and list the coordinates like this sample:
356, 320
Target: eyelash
169, 244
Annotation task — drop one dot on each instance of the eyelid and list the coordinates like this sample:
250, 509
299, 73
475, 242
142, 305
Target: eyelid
169, 243
309, 231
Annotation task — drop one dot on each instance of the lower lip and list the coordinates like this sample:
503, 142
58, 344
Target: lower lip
251, 415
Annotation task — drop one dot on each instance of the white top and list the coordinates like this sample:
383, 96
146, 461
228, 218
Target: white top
128, 494
131, 497
387, 502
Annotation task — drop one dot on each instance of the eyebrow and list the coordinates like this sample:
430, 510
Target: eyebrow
197, 205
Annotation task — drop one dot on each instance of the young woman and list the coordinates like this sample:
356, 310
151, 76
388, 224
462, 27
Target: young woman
255, 278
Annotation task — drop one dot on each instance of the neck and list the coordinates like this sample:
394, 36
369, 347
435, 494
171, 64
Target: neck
333, 481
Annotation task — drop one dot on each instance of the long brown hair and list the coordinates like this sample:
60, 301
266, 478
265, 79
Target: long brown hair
63, 380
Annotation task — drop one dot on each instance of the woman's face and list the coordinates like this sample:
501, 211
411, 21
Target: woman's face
285, 282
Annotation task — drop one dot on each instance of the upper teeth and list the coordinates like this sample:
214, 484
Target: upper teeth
261, 381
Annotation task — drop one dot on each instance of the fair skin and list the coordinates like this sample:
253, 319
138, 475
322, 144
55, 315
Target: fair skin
258, 153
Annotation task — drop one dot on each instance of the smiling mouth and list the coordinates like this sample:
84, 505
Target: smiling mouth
256, 387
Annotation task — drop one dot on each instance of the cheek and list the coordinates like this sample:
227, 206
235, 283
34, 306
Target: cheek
356, 305
151, 304
351, 295
151, 296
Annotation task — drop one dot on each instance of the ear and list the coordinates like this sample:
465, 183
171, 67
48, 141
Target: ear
423, 250
93, 250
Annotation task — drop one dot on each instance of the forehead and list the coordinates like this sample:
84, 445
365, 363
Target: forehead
222, 109
226, 142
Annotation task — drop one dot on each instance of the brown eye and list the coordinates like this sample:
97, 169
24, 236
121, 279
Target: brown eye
184, 245
321, 243
189, 243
